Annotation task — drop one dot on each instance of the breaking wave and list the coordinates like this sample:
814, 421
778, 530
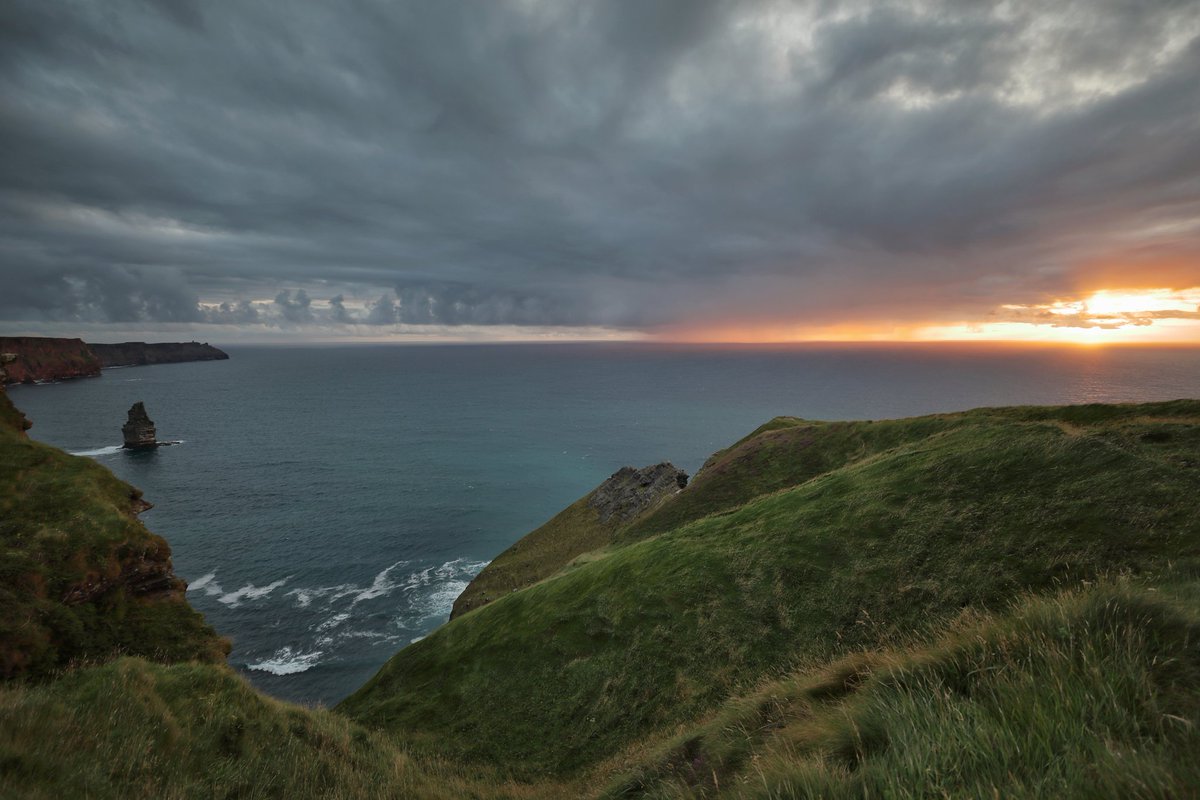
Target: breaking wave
251, 592
287, 661
99, 451
401, 603
207, 583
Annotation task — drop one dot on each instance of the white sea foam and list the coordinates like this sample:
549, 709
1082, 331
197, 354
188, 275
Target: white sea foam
287, 661
381, 586
305, 594
333, 621
201, 582
441, 599
99, 451
417, 597
251, 592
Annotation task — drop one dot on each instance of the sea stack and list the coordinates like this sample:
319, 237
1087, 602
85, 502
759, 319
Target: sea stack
139, 430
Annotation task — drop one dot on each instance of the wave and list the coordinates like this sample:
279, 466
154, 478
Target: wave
381, 586
448, 582
206, 583
287, 661
395, 606
251, 592
99, 451
113, 449
334, 621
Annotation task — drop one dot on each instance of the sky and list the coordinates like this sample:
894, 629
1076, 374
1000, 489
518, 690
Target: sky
244, 170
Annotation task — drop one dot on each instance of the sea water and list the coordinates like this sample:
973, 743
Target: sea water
327, 504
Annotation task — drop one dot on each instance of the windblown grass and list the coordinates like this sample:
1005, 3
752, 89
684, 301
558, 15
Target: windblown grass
1095, 693
964, 511
133, 729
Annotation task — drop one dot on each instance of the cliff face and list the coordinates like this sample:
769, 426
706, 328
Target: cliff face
80, 576
43, 359
130, 354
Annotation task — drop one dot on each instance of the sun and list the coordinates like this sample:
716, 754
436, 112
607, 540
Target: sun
1105, 316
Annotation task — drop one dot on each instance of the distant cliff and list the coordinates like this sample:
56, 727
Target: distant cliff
129, 354
42, 359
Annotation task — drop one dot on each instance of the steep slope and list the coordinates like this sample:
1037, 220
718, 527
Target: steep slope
42, 359
131, 354
45, 359
936, 515
1095, 693
80, 577
133, 729
587, 524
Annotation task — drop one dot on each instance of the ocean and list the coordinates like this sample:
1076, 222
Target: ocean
327, 504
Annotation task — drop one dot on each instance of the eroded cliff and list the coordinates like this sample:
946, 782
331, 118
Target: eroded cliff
81, 578
42, 359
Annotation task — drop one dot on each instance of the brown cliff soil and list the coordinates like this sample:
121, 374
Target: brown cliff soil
42, 359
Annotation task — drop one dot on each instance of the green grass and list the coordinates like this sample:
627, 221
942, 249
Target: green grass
77, 567
1095, 693
1004, 602
960, 511
136, 729
575, 530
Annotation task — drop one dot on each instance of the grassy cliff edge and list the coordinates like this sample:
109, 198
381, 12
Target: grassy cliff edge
999, 602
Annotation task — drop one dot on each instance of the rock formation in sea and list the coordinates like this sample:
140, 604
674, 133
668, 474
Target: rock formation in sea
139, 429
630, 491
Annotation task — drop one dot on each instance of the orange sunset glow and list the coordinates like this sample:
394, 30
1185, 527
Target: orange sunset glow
1126, 316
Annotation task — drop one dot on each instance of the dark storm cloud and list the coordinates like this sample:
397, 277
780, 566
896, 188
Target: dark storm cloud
295, 310
337, 309
609, 162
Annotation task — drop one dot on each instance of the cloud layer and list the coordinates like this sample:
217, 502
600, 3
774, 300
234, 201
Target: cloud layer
650, 166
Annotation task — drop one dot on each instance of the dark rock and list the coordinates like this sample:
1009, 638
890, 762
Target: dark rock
135, 354
43, 359
631, 491
10, 416
139, 429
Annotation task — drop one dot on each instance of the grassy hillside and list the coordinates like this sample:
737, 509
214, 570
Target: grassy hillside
575, 530
1094, 693
1091, 693
897, 528
136, 729
80, 577
1004, 602
588, 524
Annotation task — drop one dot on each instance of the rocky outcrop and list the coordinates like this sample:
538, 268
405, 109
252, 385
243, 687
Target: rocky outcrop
134, 354
139, 430
9, 415
142, 571
629, 492
41, 359
587, 525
